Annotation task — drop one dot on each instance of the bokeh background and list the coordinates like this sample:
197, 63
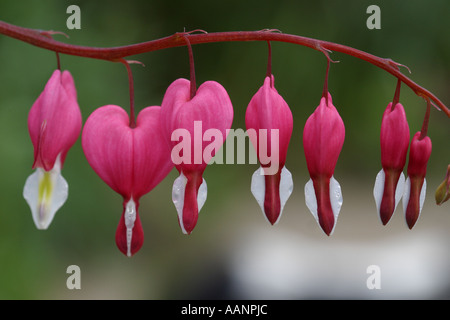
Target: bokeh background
233, 252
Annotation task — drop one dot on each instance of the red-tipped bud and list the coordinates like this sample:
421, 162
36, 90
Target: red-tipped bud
415, 188
270, 117
54, 124
323, 138
394, 141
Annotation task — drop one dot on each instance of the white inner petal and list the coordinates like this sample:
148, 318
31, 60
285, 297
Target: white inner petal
423, 193
258, 188
336, 199
201, 195
407, 191
45, 192
378, 190
310, 199
130, 218
286, 187
178, 191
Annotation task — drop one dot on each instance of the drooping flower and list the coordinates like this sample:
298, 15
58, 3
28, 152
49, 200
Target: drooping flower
54, 124
416, 184
270, 118
443, 191
130, 160
394, 141
195, 121
323, 138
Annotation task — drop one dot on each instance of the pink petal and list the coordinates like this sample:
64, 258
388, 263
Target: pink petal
268, 110
54, 121
323, 138
211, 108
132, 161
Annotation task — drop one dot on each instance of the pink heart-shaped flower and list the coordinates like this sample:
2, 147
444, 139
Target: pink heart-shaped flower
132, 161
194, 129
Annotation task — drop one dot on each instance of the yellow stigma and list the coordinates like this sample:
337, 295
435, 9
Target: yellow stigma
45, 188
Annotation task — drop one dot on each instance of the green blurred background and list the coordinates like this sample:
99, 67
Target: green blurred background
233, 252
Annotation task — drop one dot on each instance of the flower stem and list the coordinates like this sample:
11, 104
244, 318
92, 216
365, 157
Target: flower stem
36, 38
325, 85
269, 63
58, 61
191, 68
396, 95
426, 120
131, 85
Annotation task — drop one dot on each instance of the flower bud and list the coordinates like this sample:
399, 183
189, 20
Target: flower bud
271, 119
54, 124
394, 141
323, 138
416, 185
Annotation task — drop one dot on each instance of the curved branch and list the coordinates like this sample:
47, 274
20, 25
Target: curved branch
39, 39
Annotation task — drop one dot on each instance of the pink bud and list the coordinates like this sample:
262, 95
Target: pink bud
415, 189
202, 124
132, 161
54, 124
54, 121
268, 113
323, 138
394, 140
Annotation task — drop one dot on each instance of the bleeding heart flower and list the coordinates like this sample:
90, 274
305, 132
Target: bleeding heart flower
132, 161
206, 117
394, 140
416, 184
54, 124
271, 119
323, 138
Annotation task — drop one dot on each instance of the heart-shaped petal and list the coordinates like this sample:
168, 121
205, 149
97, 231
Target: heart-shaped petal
200, 122
132, 161
210, 109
